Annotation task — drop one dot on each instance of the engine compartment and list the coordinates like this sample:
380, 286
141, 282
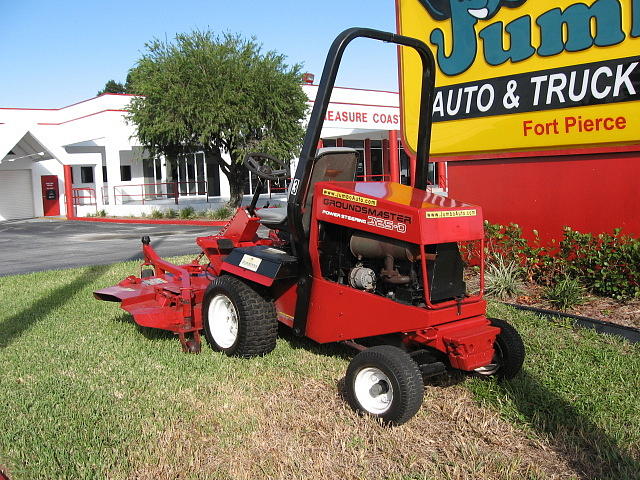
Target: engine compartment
388, 267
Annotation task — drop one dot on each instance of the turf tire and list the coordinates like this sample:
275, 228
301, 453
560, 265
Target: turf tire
510, 351
402, 373
257, 326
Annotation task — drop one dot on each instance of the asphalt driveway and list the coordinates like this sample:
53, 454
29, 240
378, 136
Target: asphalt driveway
42, 244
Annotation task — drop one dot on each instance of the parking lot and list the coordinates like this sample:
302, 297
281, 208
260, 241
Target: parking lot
42, 244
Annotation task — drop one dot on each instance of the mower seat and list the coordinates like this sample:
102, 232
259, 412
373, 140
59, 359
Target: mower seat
272, 217
331, 164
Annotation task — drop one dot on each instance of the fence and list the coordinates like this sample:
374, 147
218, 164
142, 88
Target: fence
168, 190
84, 197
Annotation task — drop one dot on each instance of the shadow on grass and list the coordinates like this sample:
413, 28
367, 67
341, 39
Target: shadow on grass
324, 349
585, 446
13, 327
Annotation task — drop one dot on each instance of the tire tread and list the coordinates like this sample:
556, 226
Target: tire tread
259, 336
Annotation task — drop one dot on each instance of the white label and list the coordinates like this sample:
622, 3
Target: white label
250, 262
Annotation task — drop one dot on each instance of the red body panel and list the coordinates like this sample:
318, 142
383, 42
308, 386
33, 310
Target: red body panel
339, 312
397, 211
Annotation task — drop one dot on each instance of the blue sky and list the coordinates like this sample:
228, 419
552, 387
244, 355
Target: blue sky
54, 53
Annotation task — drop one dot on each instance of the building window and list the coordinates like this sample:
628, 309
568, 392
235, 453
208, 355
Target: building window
86, 174
104, 173
125, 173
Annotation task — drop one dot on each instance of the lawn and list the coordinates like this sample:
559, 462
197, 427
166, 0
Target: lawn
88, 394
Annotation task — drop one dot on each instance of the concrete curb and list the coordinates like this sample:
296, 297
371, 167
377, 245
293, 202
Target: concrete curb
176, 221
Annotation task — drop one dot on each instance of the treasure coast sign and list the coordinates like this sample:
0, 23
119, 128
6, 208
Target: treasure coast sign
524, 74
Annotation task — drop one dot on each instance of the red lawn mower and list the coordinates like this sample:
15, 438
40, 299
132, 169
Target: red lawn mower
375, 265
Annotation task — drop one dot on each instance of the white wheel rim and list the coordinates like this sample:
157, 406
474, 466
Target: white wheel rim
223, 321
373, 390
494, 366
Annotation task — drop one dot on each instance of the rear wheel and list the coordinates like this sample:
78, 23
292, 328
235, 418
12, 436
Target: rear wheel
386, 383
238, 321
509, 353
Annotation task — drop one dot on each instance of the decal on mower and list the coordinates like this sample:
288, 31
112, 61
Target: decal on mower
294, 187
250, 262
383, 214
154, 281
452, 213
350, 197
344, 217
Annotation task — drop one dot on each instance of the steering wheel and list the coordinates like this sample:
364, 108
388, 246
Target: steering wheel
261, 164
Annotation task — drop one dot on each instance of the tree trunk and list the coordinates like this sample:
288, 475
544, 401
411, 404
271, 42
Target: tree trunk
236, 176
235, 173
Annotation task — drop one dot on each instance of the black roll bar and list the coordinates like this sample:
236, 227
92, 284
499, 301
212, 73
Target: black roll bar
300, 183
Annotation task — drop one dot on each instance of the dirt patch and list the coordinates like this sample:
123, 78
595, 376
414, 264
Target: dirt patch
601, 308
287, 436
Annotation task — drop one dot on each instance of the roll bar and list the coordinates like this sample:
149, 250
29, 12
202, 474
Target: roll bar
300, 183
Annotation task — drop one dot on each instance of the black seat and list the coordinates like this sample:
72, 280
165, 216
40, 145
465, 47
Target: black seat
337, 164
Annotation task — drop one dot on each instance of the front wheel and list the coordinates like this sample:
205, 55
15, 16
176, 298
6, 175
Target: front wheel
509, 353
386, 383
238, 321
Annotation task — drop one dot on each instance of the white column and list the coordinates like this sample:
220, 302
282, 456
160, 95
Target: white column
99, 182
112, 161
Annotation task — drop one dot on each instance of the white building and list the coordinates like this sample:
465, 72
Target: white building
88, 153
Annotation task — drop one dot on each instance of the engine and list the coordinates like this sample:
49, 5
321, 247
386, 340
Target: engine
389, 267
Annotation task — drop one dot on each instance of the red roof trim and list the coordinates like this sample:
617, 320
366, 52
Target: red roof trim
84, 116
350, 88
72, 105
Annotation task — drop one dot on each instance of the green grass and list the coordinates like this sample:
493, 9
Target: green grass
88, 394
578, 390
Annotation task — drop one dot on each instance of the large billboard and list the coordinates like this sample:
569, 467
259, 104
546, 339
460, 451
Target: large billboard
524, 74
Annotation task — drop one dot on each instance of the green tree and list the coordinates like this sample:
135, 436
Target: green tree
217, 94
113, 87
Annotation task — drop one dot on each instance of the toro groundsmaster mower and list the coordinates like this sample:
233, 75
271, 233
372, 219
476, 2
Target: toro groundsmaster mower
375, 265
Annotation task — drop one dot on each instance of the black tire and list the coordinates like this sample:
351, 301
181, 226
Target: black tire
256, 326
400, 387
509, 356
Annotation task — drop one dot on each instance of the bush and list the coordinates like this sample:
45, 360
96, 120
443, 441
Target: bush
187, 213
606, 264
155, 213
565, 294
170, 213
503, 278
222, 213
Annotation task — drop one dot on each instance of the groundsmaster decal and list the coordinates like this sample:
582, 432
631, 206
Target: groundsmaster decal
524, 74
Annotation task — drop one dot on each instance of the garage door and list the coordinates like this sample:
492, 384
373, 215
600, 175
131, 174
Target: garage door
16, 194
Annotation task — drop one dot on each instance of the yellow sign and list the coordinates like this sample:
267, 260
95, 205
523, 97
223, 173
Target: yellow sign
451, 213
524, 74
349, 197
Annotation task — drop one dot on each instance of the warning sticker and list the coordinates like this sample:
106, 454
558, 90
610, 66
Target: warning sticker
250, 262
452, 213
350, 197
154, 281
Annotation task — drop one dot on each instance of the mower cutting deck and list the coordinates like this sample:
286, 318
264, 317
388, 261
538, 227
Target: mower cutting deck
376, 265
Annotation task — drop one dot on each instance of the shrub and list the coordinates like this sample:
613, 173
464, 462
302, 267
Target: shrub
101, 213
187, 212
170, 213
503, 278
565, 294
222, 213
155, 213
606, 264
